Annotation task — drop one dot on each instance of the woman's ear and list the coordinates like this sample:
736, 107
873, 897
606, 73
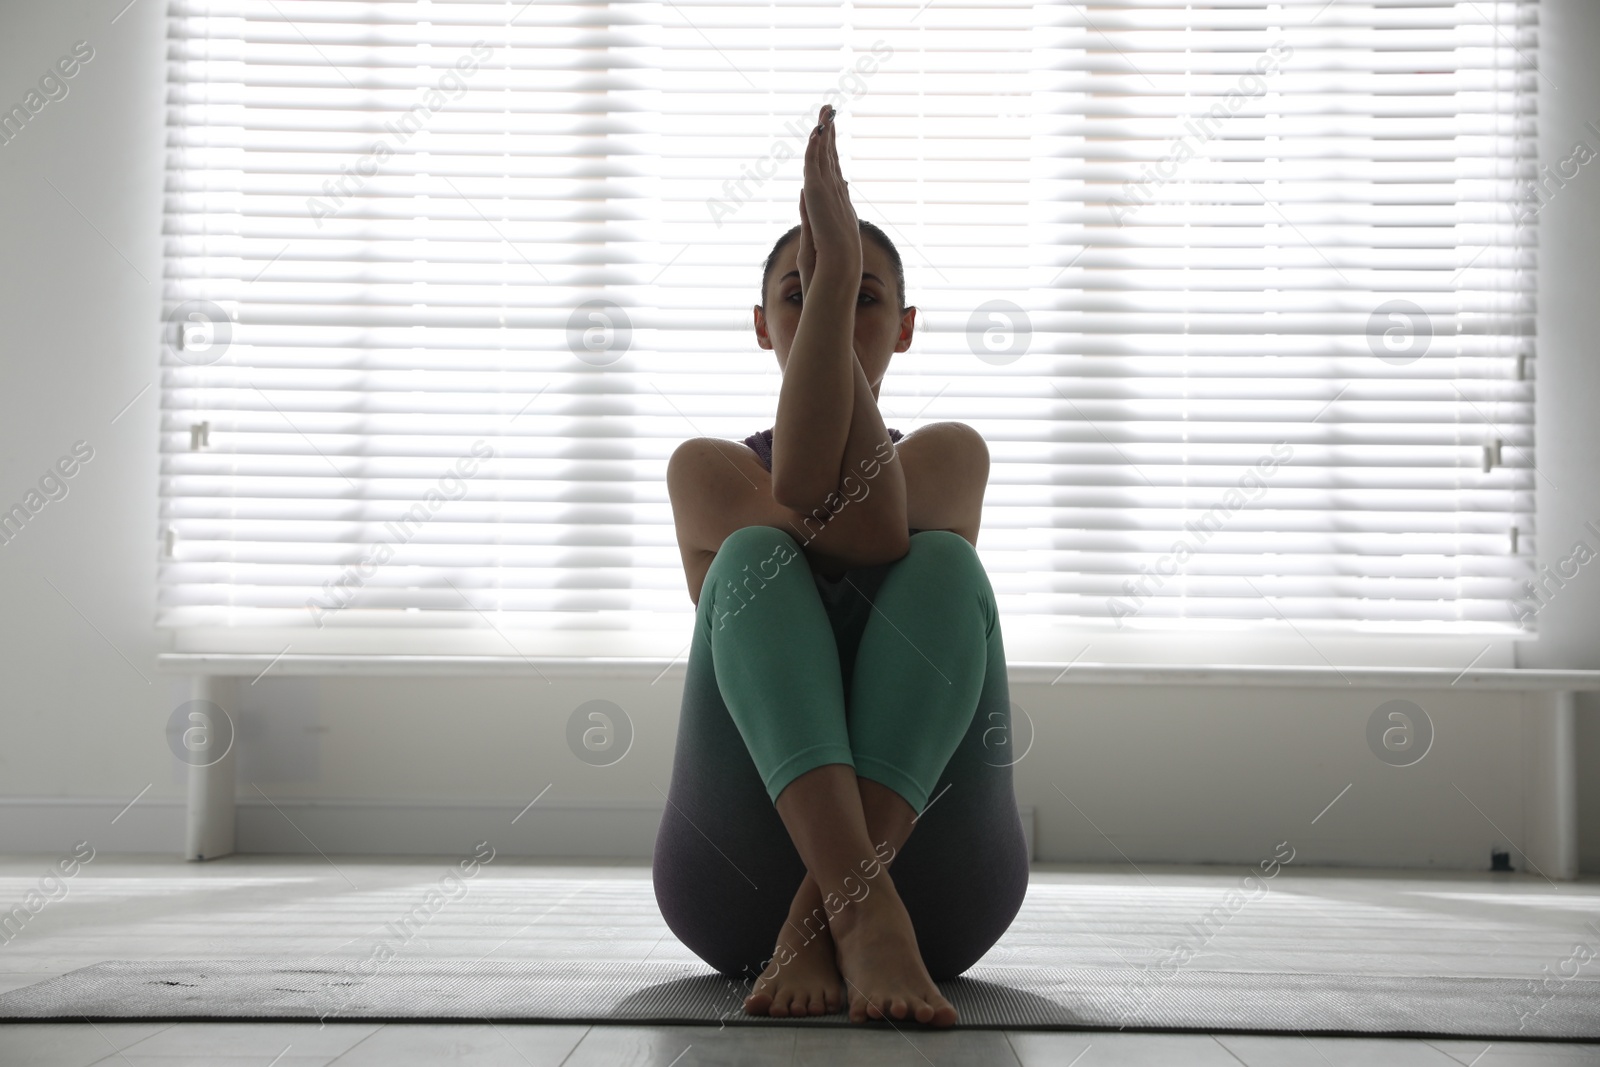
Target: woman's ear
908, 326
762, 337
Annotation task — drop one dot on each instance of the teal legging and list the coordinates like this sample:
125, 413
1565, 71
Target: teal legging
896, 669
919, 666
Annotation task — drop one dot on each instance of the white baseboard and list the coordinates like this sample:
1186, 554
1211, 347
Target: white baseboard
353, 827
55, 824
349, 827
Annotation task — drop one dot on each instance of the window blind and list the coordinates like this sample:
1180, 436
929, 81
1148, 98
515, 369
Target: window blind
1240, 296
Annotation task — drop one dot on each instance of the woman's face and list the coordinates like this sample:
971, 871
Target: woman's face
881, 329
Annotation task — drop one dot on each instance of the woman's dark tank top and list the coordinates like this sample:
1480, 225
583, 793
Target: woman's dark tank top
761, 444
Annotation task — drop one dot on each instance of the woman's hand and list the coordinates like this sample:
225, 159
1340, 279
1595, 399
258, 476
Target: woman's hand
830, 236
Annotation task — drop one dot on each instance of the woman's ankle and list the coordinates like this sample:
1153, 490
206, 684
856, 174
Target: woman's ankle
873, 899
802, 930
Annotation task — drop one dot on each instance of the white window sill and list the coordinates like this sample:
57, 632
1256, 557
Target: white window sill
1500, 679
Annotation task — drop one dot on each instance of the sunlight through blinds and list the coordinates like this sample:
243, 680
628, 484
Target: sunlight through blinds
1240, 296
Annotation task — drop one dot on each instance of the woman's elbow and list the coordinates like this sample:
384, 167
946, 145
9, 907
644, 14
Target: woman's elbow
895, 544
804, 498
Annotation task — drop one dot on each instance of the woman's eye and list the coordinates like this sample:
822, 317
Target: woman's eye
794, 297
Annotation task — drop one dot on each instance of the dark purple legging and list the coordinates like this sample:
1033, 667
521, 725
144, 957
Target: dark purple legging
725, 870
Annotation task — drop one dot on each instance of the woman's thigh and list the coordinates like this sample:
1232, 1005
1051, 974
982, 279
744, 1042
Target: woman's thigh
724, 867
920, 665
963, 872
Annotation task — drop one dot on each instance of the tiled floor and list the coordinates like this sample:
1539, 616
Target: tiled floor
402, 1045
151, 908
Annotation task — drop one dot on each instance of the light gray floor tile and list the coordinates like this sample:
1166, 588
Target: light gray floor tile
684, 1046
1256, 1051
1518, 1053
288, 1059
67, 1044
477, 1044
255, 1039
880, 1045
1110, 1049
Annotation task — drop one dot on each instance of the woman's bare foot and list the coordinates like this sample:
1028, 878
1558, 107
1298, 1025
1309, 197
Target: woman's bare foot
876, 948
809, 984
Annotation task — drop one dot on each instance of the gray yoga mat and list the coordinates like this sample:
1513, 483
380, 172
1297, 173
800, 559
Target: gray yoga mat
1010, 997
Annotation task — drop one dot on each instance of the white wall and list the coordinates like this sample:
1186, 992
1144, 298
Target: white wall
1569, 373
382, 765
79, 309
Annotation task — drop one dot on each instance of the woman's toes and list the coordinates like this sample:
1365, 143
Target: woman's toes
921, 1010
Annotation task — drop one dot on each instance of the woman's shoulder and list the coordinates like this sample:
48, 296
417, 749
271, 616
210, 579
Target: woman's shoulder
949, 440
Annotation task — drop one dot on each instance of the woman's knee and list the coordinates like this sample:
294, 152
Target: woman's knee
761, 548
946, 542
944, 552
